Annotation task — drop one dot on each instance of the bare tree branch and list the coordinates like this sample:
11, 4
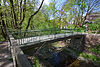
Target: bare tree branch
34, 14
24, 10
21, 10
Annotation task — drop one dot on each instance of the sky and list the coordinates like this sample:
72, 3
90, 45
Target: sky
48, 1
58, 5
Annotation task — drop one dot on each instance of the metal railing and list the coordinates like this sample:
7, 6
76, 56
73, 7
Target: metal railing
19, 34
24, 37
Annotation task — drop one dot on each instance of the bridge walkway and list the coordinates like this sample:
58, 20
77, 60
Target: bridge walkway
34, 40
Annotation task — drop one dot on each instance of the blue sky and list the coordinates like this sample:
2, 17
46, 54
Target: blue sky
58, 1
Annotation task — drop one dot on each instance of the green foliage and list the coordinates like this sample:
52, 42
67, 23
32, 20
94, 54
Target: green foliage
93, 56
11, 59
93, 26
1, 37
70, 26
90, 56
36, 62
95, 50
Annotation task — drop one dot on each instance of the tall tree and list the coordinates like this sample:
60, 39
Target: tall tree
2, 22
13, 12
79, 9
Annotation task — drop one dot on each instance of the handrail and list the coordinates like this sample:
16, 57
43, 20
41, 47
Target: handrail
50, 29
31, 33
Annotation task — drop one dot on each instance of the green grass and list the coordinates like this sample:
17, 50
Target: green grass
95, 50
88, 56
91, 57
36, 62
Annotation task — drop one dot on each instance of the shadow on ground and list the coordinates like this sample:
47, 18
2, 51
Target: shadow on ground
5, 55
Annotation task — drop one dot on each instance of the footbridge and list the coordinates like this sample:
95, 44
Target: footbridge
28, 37
37, 39
23, 38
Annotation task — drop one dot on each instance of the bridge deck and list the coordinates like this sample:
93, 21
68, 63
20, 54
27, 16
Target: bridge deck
34, 40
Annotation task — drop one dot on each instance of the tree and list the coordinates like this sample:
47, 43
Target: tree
2, 23
34, 15
79, 9
13, 13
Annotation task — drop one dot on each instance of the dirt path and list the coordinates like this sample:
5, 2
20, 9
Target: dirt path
4, 55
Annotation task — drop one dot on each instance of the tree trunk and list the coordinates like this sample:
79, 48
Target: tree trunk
24, 10
14, 14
